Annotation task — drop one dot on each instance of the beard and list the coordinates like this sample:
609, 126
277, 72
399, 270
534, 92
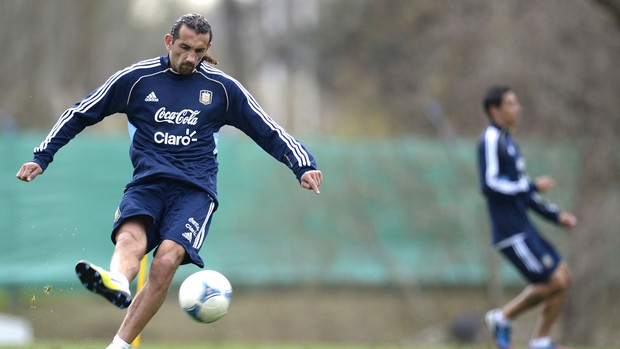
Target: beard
186, 68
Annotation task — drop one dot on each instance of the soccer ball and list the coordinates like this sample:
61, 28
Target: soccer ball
205, 295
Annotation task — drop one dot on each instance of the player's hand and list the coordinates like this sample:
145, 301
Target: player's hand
312, 180
29, 171
567, 220
544, 183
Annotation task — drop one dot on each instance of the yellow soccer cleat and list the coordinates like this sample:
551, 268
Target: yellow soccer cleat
99, 281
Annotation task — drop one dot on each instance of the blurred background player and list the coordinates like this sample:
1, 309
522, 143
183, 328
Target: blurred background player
175, 105
510, 194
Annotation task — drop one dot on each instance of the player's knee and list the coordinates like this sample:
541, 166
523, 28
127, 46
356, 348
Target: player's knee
566, 282
128, 241
166, 262
125, 238
130, 236
561, 280
162, 271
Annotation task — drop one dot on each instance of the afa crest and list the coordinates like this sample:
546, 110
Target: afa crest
205, 97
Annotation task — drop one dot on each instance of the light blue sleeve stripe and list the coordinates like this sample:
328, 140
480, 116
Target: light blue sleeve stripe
216, 139
132, 130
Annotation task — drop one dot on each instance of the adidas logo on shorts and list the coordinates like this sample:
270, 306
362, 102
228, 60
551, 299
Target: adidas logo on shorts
151, 98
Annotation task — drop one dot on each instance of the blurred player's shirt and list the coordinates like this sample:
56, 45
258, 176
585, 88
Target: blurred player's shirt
507, 188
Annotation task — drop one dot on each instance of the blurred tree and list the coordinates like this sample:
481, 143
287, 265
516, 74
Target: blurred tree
388, 61
232, 12
613, 6
593, 246
56, 48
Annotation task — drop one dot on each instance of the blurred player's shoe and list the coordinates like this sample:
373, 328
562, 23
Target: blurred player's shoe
114, 288
543, 343
548, 345
499, 331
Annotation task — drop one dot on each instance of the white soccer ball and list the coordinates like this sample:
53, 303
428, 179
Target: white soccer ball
205, 295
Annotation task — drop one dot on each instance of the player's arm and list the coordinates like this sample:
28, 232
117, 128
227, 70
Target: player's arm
246, 115
543, 184
493, 182
550, 211
567, 220
543, 207
93, 108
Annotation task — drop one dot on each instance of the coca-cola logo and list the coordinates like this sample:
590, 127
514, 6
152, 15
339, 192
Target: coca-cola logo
183, 117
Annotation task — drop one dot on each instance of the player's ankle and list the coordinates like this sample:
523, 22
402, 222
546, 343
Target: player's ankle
542, 342
120, 280
501, 319
118, 343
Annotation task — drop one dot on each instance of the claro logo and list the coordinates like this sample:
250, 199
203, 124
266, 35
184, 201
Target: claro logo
183, 117
170, 139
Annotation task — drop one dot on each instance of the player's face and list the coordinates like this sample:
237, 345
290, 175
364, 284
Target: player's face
508, 113
187, 51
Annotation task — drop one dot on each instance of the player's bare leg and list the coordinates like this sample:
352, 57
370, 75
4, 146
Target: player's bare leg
130, 246
550, 309
535, 294
550, 295
148, 301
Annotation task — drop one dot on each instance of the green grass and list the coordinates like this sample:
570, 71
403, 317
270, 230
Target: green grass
215, 345
219, 345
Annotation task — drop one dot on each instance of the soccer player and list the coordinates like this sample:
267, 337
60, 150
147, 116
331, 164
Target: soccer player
510, 194
175, 106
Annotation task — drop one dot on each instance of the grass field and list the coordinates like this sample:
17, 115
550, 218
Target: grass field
100, 345
298, 318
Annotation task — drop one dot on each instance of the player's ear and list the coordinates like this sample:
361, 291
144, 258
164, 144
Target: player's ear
493, 110
168, 41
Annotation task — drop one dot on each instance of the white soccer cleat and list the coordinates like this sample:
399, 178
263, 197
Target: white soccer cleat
501, 333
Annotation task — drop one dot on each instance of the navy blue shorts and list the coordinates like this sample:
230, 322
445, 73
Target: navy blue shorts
534, 257
179, 212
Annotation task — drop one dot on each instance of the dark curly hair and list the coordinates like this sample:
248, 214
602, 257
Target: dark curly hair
197, 23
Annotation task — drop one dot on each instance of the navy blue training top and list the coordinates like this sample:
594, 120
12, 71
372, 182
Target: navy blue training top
174, 122
507, 188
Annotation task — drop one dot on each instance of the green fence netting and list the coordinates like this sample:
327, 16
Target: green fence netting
397, 211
